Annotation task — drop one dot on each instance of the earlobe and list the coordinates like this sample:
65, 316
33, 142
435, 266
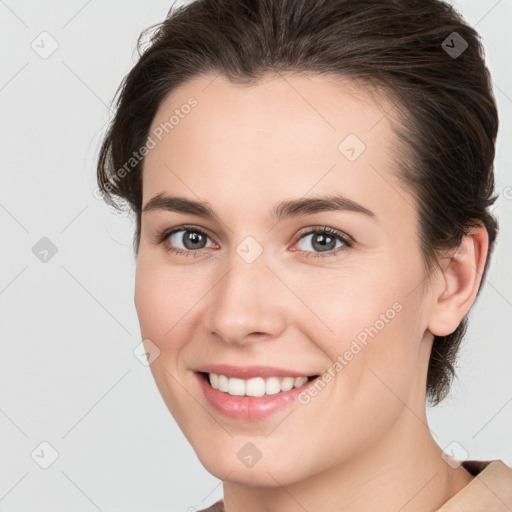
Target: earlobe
459, 281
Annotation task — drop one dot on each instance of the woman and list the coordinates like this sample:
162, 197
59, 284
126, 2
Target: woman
311, 182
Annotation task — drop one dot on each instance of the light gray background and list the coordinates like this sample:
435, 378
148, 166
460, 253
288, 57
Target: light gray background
68, 327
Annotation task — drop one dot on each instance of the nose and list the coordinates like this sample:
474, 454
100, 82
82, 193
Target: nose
248, 303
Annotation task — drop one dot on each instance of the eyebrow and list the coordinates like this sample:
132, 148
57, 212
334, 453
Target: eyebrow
283, 210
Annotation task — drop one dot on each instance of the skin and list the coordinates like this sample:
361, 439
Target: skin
363, 442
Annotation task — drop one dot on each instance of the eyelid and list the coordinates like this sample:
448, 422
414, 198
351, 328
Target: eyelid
325, 229
163, 235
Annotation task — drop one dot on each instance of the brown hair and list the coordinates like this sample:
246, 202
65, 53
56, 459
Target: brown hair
447, 113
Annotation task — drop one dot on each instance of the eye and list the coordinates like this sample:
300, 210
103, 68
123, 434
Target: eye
324, 240
191, 238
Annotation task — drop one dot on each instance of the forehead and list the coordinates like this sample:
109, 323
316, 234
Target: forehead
331, 105
285, 135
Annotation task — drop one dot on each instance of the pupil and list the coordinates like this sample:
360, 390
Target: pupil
322, 242
193, 238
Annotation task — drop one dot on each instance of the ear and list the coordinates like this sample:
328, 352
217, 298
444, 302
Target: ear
457, 285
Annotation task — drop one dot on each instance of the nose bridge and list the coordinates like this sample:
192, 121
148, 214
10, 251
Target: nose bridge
246, 300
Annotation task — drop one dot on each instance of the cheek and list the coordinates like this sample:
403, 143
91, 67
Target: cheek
372, 327
344, 306
160, 300
381, 364
159, 309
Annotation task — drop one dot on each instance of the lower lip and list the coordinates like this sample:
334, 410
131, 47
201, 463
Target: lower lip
249, 408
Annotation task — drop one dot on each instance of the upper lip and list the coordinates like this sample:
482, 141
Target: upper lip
248, 372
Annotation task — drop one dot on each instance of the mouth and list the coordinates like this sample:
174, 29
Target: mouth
252, 399
255, 386
252, 393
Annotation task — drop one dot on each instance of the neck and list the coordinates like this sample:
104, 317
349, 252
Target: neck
404, 472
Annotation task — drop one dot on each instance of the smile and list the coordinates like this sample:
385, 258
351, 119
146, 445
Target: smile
251, 393
257, 386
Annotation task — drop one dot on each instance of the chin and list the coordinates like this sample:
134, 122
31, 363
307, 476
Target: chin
233, 464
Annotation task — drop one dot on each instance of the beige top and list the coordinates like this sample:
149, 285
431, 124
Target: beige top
489, 491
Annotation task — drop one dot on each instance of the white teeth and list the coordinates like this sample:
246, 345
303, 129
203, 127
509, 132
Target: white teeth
287, 383
214, 380
272, 386
257, 386
223, 383
299, 381
236, 387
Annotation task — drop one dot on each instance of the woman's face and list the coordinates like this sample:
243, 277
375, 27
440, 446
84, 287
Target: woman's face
257, 296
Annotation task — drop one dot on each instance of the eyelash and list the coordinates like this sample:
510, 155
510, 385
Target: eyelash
348, 242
